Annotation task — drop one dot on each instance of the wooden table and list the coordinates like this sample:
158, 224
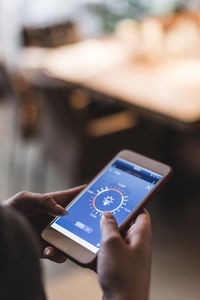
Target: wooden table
168, 91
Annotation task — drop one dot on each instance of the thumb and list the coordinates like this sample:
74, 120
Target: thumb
34, 202
49, 205
108, 226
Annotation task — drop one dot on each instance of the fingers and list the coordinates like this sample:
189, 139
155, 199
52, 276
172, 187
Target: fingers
65, 197
141, 229
143, 220
109, 227
54, 255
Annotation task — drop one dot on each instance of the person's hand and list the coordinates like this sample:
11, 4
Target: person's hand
39, 210
124, 265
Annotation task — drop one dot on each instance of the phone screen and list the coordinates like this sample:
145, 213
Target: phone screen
118, 189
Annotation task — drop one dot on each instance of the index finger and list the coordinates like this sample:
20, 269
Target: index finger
66, 196
54, 254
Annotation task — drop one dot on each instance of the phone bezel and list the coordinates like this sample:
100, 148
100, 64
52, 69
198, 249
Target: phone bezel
79, 253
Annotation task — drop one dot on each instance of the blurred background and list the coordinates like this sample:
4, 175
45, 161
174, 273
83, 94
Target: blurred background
81, 80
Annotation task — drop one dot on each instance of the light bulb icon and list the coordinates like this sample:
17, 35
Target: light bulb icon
108, 198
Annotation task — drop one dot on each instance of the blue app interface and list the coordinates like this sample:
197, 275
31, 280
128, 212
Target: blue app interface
119, 189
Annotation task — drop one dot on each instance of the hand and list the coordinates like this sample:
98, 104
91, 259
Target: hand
39, 210
124, 265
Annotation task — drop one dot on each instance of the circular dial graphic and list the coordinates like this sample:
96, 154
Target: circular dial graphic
108, 199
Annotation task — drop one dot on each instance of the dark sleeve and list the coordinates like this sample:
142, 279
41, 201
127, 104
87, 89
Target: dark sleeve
20, 273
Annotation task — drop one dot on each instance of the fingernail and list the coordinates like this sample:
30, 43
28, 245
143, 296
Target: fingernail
102, 217
107, 215
48, 252
63, 212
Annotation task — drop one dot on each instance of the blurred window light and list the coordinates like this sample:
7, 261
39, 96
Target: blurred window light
93, 17
48, 11
161, 7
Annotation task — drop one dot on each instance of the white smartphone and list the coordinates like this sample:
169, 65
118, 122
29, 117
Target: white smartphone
123, 187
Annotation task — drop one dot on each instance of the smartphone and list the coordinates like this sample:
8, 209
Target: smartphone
123, 187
